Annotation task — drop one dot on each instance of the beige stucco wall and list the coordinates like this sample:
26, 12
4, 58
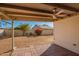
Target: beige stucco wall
66, 33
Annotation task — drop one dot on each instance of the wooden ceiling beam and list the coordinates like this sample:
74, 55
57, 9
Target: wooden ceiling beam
24, 8
29, 18
4, 15
27, 14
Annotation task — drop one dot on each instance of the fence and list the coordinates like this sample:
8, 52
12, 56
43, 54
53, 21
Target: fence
8, 32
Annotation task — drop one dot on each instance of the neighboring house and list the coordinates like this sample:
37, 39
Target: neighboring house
42, 27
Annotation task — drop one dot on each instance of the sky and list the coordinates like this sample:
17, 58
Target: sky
31, 23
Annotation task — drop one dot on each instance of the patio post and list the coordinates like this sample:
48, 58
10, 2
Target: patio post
13, 46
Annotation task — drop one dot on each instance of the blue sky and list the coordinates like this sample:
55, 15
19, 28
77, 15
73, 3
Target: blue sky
31, 23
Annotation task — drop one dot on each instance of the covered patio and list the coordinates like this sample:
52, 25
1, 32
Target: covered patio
35, 12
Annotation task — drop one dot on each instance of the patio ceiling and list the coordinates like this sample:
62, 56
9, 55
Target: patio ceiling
35, 11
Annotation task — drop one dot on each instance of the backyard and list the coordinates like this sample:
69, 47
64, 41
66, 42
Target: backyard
25, 39
29, 30
27, 43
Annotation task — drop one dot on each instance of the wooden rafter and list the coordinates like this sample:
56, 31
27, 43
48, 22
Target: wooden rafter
4, 15
24, 8
29, 14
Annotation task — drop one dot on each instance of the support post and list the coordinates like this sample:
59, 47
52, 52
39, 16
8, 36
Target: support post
13, 35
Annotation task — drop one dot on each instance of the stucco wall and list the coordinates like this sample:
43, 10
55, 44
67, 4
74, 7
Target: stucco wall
66, 33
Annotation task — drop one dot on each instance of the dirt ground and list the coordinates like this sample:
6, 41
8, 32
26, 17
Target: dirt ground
21, 42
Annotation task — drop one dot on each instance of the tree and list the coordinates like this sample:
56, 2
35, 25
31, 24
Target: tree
38, 31
23, 27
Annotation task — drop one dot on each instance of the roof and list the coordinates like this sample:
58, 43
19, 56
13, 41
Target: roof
42, 26
35, 11
45, 26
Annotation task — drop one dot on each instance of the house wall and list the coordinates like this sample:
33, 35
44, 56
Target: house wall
66, 33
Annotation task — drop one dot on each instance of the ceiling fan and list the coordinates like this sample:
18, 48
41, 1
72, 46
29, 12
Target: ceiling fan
58, 13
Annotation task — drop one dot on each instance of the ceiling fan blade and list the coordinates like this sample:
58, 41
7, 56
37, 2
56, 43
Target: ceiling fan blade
59, 12
54, 17
64, 15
